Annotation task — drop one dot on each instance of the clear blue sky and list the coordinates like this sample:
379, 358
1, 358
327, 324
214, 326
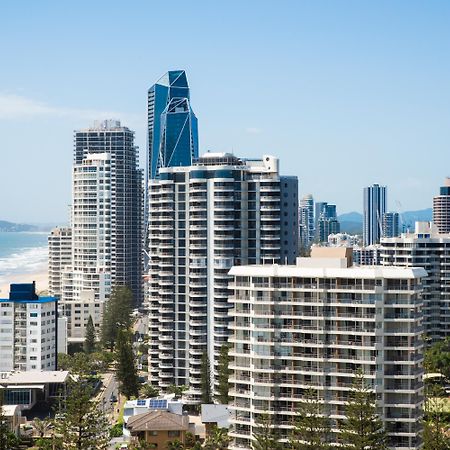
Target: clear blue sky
346, 93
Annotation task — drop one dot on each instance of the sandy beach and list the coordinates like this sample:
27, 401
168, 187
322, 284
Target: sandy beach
40, 277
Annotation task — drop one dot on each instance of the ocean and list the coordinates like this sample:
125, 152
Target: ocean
22, 253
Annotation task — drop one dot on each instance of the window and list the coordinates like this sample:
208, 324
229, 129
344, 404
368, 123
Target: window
173, 433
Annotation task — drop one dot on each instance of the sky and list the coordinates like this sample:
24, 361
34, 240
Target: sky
345, 93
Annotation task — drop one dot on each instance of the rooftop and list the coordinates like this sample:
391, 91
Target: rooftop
42, 377
158, 421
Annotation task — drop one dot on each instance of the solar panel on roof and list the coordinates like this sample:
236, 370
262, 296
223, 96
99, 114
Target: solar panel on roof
141, 402
158, 404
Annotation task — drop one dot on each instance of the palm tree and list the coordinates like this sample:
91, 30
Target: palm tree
218, 439
175, 445
42, 426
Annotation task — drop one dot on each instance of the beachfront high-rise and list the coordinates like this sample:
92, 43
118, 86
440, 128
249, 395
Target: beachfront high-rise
374, 210
441, 208
107, 214
314, 325
172, 125
203, 219
28, 330
59, 257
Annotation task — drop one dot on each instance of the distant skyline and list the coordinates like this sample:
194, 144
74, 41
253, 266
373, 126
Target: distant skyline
346, 94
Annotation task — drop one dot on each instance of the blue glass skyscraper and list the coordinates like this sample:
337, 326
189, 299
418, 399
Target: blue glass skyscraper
172, 125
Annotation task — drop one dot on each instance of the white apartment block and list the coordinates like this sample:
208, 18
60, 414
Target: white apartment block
59, 257
28, 330
203, 219
314, 325
426, 248
87, 282
367, 256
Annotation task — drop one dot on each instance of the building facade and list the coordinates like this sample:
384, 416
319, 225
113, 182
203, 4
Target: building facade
327, 226
374, 210
204, 219
367, 256
107, 215
441, 208
313, 326
426, 248
391, 224
28, 339
306, 221
172, 125
59, 257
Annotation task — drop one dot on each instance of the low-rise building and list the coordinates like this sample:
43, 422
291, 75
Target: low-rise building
314, 325
159, 428
28, 323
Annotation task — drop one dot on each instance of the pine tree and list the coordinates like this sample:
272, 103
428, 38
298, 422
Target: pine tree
89, 341
82, 425
206, 379
223, 375
311, 427
265, 436
117, 315
362, 429
125, 365
435, 427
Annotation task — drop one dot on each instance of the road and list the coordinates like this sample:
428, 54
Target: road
109, 391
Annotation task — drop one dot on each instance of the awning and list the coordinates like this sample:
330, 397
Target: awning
27, 386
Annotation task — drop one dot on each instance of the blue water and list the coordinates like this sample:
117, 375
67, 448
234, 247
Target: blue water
22, 253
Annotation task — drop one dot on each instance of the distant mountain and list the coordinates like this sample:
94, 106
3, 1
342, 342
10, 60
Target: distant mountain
422, 215
352, 222
351, 217
10, 226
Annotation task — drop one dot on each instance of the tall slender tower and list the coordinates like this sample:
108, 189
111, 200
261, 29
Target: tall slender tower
306, 220
441, 208
374, 210
172, 125
106, 224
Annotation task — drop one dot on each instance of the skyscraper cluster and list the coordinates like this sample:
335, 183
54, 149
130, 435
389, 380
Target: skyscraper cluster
221, 235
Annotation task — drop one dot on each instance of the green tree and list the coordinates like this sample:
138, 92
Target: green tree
82, 425
117, 315
362, 429
79, 363
437, 358
223, 375
8, 440
191, 442
125, 365
311, 427
148, 391
265, 436
436, 429
89, 341
42, 426
206, 379
175, 445
177, 390
217, 439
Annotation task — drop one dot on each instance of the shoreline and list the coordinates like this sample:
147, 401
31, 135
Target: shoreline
41, 279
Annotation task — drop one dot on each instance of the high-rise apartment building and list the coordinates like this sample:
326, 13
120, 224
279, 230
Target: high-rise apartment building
374, 210
315, 325
426, 248
59, 257
28, 331
327, 226
203, 219
107, 214
441, 208
306, 221
391, 224
172, 125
